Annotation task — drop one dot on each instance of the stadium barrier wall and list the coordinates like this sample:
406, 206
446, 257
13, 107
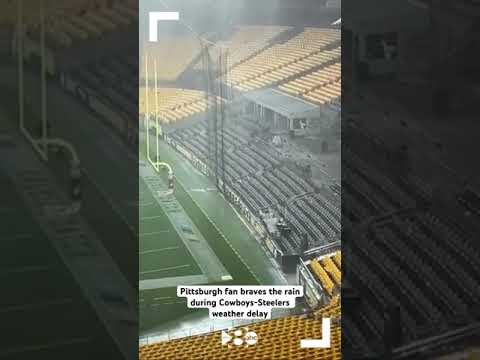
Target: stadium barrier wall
208, 328
254, 221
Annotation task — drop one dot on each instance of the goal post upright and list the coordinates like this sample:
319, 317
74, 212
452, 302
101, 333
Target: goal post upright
40, 145
146, 119
19, 43
156, 164
157, 157
43, 79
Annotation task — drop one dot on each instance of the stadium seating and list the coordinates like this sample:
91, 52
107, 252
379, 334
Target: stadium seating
175, 55
305, 84
326, 94
174, 104
328, 272
72, 25
111, 82
378, 192
277, 339
30, 9
436, 289
246, 41
254, 172
280, 62
127, 8
322, 86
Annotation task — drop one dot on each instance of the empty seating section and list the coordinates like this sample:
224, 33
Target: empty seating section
307, 83
322, 275
278, 339
326, 94
255, 173
327, 270
173, 104
240, 159
436, 288
280, 62
62, 8
174, 55
246, 41
112, 80
332, 270
371, 192
322, 86
68, 26
337, 258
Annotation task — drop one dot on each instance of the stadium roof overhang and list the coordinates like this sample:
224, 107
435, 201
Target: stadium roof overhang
283, 104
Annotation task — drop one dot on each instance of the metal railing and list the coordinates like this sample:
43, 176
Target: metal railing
208, 327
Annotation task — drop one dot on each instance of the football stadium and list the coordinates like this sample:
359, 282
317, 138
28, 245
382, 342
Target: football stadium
246, 112
240, 128
239, 157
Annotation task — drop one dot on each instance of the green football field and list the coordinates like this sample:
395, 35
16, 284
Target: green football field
164, 256
162, 252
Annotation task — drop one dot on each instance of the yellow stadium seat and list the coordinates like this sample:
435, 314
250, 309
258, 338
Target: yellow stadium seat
277, 339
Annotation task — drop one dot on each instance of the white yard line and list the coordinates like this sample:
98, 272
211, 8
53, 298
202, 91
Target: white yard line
220, 232
151, 217
158, 250
146, 204
164, 269
153, 233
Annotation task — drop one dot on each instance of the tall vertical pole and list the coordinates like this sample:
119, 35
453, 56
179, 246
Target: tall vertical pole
156, 111
147, 116
20, 62
215, 116
43, 78
224, 83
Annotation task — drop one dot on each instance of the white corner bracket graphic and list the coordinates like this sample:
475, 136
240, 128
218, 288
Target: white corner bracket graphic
324, 342
154, 17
